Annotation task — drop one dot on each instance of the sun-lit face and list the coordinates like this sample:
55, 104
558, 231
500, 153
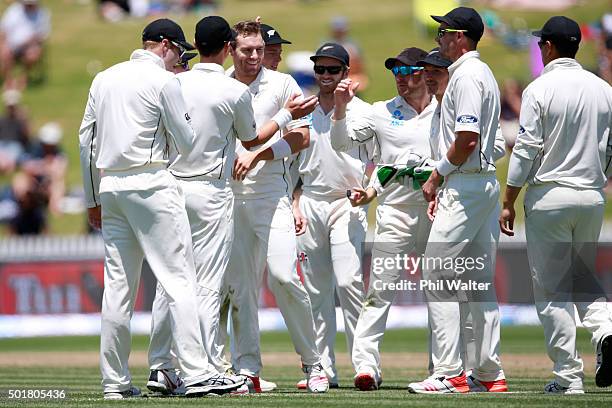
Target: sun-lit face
436, 79
248, 55
272, 56
408, 84
328, 81
448, 42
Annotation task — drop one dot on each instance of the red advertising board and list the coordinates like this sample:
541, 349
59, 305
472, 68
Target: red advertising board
54, 287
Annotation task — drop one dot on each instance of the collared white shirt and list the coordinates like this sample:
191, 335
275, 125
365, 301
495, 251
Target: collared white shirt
565, 124
325, 172
499, 150
221, 111
471, 103
400, 136
132, 109
270, 91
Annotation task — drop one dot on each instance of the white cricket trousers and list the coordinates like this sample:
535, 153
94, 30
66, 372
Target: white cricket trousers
264, 234
560, 220
330, 253
209, 204
400, 229
465, 226
143, 214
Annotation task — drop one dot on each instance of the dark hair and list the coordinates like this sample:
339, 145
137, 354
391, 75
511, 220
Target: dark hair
565, 49
245, 29
207, 51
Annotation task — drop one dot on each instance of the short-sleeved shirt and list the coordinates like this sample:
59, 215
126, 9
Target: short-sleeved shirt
221, 111
325, 172
400, 135
270, 91
565, 125
471, 103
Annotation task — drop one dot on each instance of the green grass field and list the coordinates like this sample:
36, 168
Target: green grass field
81, 44
71, 364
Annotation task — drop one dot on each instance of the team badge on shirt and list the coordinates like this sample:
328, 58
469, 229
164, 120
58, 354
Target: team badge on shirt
467, 119
398, 118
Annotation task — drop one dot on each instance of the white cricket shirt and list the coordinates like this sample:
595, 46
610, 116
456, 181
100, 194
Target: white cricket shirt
132, 109
566, 116
270, 91
499, 149
400, 136
471, 103
221, 111
325, 172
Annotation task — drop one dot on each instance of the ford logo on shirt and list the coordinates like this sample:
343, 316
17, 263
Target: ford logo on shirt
467, 119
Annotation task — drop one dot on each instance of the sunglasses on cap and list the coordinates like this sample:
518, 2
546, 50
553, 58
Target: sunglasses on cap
333, 70
182, 49
406, 70
442, 31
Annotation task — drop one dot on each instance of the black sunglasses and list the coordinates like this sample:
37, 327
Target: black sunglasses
333, 70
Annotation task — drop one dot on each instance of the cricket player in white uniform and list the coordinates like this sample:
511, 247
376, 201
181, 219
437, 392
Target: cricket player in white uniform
264, 226
222, 113
563, 150
465, 224
399, 129
436, 78
134, 110
330, 249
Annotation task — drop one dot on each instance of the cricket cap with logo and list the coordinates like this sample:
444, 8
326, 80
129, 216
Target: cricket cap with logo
165, 29
464, 18
212, 32
408, 56
332, 50
271, 36
560, 30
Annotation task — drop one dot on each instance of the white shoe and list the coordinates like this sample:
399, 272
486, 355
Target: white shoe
216, 384
554, 387
440, 385
166, 382
317, 379
242, 390
257, 384
603, 370
266, 386
133, 392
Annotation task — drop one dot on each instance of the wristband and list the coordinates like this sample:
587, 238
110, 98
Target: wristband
280, 149
282, 118
445, 167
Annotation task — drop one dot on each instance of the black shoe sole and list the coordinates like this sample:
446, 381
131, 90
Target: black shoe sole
197, 392
603, 376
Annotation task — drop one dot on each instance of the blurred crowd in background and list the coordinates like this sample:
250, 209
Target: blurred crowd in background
33, 167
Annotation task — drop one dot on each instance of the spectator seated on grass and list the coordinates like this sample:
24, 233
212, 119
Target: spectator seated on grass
14, 131
24, 28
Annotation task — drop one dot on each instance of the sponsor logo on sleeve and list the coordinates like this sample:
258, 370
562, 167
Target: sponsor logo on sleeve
521, 130
467, 119
187, 117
